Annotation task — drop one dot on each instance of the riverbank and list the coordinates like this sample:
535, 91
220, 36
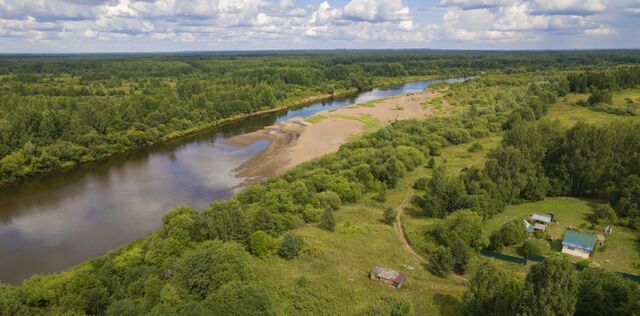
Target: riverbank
296, 140
177, 135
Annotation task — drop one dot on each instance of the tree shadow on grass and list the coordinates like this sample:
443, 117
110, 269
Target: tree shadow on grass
413, 211
447, 304
556, 245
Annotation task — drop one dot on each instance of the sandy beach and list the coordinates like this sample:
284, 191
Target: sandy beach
296, 140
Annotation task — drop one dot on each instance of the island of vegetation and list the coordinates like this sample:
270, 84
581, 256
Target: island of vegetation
440, 199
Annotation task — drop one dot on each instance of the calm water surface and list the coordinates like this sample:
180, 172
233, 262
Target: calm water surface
53, 222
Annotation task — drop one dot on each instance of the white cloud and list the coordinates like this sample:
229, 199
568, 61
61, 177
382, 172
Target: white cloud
569, 7
377, 10
474, 4
602, 30
256, 23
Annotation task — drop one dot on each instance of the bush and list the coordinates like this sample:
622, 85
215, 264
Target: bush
421, 183
311, 214
475, 148
431, 163
393, 306
290, 246
238, 299
329, 199
600, 96
389, 215
262, 245
461, 255
534, 247
327, 221
604, 214
441, 261
511, 233
495, 242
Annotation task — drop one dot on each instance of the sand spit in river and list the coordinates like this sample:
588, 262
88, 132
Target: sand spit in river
296, 141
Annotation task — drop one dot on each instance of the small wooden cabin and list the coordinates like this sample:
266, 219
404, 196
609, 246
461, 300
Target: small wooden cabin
391, 277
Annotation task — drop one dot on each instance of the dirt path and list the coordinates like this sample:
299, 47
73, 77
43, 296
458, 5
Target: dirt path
398, 227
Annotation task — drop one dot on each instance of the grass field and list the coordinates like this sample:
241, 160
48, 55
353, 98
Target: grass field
621, 248
331, 277
569, 114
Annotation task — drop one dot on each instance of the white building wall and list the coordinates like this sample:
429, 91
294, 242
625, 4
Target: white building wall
576, 252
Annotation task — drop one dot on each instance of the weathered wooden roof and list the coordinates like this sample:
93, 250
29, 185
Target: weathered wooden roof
389, 274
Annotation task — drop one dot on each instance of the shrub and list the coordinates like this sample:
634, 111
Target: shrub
475, 148
290, 246
534, 247
421, 183
511, 233
441, 261
461, 255
311, 214
431, 163
262, 245
329, 199
327, 221
389, 215
604, 214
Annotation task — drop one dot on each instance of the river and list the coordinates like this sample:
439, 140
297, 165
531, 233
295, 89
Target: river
52, 222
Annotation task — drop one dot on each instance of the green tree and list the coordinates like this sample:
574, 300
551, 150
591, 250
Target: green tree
329, 199
534, 247
389, 215
600, 96
239, 299
290, 246
551, 288
604, 214
431, 163
461, 255
492, 291
211, 265
327, 221
441, 261
606, 293
510, 233
262, 245
464, 225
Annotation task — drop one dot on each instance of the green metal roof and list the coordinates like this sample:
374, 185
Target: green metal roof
579, 240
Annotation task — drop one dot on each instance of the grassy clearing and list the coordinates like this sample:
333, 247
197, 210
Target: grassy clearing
568, 114
331, 277
620, 250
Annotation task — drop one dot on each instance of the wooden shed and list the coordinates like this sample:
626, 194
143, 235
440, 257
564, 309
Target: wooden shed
389, 276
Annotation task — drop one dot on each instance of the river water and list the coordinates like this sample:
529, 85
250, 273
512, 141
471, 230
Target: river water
52, 222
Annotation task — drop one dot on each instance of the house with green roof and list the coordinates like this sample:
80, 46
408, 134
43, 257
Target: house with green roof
578, 244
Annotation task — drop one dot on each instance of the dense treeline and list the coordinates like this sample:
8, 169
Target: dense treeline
58, 112
611, 79
552, 287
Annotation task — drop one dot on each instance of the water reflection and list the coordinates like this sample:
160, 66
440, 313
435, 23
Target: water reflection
52, 222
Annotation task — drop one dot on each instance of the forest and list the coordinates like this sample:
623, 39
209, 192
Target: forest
197, 263
58, 112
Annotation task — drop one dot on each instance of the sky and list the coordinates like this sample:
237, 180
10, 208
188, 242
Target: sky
70, 26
